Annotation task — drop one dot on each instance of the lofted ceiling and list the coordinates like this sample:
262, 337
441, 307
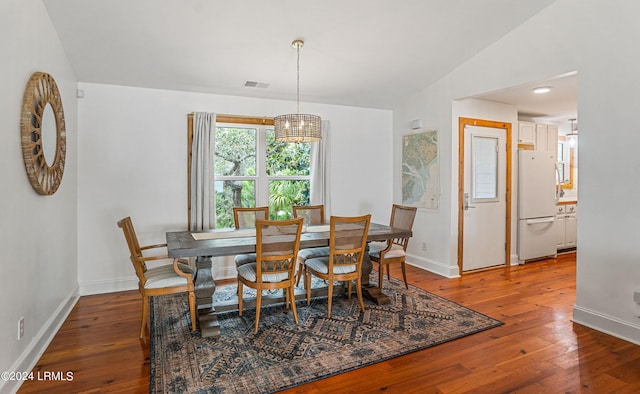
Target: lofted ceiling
366, 53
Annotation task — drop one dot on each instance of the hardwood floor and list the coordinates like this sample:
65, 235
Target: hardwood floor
537, 350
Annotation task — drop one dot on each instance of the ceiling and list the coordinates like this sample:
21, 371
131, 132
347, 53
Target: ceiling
365, 53
556, 107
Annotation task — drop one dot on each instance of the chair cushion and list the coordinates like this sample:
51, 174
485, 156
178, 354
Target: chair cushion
396, 251
312, 253
242, 259
163, 276
321, 264
248, 271
376, 246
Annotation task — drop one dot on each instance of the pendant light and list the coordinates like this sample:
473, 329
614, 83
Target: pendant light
297, 127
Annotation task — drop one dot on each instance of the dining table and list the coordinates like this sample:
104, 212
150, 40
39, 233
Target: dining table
205, 245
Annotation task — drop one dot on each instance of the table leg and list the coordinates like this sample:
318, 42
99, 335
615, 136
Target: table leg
204, 288
370, 291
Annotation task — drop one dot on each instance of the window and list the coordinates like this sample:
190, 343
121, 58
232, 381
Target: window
252, 169
485, 168
563, 172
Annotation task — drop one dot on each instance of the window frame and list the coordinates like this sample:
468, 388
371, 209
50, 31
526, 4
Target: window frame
262, 193
261, 179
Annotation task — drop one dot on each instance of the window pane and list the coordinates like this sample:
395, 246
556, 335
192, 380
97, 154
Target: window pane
485, 167
287, 159
232, 193
235, 151
283, 194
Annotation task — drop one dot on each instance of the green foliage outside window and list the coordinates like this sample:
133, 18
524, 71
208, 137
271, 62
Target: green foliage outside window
236, 159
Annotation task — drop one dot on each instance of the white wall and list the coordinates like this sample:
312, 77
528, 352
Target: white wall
597, 39
132, 161
38, 268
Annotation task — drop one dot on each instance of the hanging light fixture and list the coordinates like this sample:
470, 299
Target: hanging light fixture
297, 127
572, 135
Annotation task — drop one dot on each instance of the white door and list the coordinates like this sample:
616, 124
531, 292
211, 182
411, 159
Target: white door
484, 200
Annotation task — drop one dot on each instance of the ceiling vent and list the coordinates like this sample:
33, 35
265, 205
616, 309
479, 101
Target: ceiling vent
254, 84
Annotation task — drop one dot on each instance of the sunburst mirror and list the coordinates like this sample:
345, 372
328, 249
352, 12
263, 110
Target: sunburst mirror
43, 134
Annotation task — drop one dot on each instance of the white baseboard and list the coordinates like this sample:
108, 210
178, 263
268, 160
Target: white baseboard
607, 324
108, 286
30, 357
433, 266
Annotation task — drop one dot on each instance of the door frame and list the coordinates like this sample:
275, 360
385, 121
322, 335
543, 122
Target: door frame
462, 122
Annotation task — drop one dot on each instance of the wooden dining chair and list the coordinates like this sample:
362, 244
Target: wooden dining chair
313, 215
159, 280
347, 243
393, 251
277, 244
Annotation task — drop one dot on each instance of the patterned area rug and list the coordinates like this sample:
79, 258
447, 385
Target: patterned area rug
283, 355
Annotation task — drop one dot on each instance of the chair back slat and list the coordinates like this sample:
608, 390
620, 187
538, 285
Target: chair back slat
348, 239
246, 217
134, 248
312, 214
403, 216
277, 245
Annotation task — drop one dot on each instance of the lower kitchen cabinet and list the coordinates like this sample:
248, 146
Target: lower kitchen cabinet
566, 226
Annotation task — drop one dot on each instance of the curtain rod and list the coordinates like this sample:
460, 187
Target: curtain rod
229, 118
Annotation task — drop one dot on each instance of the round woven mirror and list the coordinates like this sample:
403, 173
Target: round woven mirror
43, 134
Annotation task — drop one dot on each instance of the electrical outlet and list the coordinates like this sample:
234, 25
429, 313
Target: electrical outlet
20, 328
424, 246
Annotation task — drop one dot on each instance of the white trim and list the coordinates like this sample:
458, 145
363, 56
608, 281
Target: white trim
607, 324
433, 266
108, 286
30, 357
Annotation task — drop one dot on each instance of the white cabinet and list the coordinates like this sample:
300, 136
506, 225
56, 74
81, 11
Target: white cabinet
527, 133
543, 137
546, 137
566, 226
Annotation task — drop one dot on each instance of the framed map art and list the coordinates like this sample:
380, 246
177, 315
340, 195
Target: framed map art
420, 170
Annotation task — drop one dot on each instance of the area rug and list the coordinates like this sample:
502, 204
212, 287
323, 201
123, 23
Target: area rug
283, 355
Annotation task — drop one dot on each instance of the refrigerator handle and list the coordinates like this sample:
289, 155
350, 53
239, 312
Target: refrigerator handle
549, 219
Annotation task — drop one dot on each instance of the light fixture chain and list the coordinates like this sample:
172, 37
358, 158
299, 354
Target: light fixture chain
298, 82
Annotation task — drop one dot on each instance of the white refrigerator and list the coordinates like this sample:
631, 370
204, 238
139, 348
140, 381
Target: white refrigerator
536, 204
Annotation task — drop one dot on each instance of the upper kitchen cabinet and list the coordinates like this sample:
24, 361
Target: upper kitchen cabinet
527, 133
546, 137
540, 137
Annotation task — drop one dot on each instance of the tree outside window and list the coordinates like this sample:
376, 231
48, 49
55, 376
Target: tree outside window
252, 169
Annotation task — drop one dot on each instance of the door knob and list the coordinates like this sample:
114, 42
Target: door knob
466, 202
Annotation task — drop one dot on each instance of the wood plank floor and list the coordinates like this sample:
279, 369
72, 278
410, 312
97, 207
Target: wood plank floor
538, 350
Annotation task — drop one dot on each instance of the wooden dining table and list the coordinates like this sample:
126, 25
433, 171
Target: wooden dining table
228, 242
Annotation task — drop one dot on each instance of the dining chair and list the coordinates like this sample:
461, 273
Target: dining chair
347, 243
246, 218
313, 215
159, 280
277, 244
393, 251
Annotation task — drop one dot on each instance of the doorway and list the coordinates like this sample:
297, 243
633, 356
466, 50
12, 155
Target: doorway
484, 194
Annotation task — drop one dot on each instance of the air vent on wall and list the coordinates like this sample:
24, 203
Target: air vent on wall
254, 84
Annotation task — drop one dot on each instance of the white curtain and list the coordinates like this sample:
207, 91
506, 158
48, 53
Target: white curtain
320, 190
203, 202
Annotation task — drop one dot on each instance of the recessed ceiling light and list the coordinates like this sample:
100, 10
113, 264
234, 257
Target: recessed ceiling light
542, 90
